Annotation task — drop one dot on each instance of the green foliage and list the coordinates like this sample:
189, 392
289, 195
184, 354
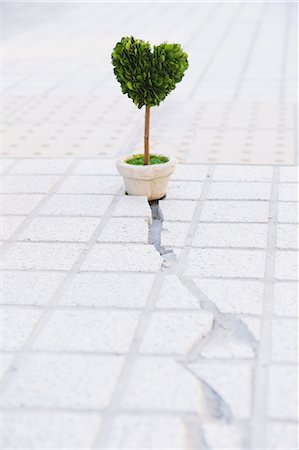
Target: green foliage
148, 76
138, 160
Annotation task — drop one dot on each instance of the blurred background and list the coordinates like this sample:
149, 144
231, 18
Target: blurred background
236, 103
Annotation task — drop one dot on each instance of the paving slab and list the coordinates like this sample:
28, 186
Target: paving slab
48, 429
88, 331
107, 290
148, 432
64, 381
29, 288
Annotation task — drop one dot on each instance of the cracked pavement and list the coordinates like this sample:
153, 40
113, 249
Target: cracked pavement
170, 326
152, 348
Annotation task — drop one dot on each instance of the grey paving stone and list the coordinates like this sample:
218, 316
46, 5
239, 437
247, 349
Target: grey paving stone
17, 325
41, 256
286, 299
88, 331
123, 257
286, 265
48, 430
228, 263
234, 296
9, 225
235, 211
96, 166
19, 203
122, 230
231, 436
240, 191
54, 229
178, 210
287, 236
133, 206
283, 393
288, 174
189, 190
194, 172
161, 384
174, 234
6, 361
288, 191
31, 184
41, 166
28, 288
285, 340
122, 290
77, 205
91, 185
63, 381
231, 382
243, 173
230, 235
176, 332
174, 294
282, 435
287, 212
147, 433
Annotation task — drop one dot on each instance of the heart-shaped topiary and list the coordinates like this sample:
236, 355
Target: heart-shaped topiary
147, 75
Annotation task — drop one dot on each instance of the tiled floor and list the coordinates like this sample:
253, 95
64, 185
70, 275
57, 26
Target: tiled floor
236, 103
191, 350
107, 342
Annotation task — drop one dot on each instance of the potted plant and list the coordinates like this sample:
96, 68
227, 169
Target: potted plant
147, 76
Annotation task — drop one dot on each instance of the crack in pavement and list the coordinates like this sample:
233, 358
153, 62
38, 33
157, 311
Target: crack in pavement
226, 328
216, 406
226, 322
155, 231
195, 438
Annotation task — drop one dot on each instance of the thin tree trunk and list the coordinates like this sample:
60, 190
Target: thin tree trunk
146, 135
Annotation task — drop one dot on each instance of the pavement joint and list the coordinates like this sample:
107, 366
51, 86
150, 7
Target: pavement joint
265, 348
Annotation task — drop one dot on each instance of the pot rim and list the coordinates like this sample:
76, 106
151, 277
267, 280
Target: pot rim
149, 172
171, 160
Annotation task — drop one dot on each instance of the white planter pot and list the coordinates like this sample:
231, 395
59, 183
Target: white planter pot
150, 181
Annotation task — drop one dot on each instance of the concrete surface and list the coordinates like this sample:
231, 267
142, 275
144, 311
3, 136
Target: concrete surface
129, 328
191, 348
236, 103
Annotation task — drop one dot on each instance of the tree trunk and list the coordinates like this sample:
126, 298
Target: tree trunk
146, 135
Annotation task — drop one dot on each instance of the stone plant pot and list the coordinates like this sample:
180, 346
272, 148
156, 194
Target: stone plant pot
150, 181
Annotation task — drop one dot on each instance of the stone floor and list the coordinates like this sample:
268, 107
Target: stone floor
190, 348
128, 331
236, 103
